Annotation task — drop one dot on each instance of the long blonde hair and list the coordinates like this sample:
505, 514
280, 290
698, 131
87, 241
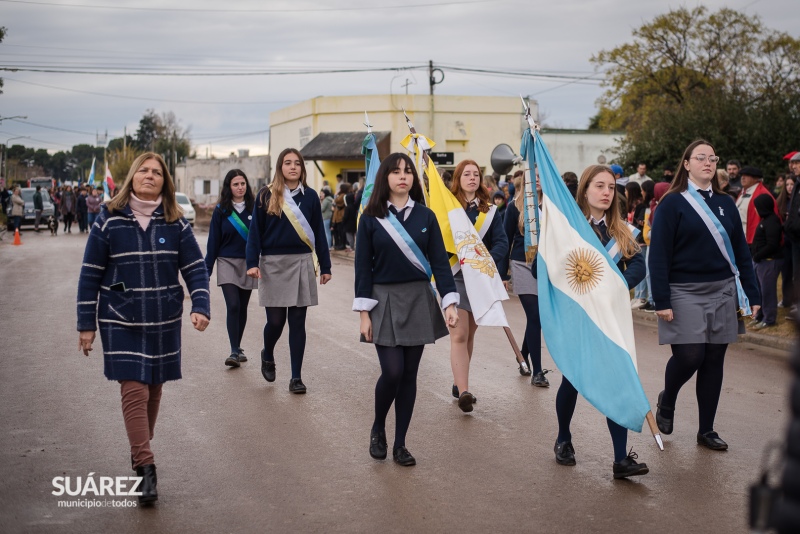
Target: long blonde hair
617, 228
172, 211
273, 204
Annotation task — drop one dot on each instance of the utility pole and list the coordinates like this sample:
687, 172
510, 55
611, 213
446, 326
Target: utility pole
431, 82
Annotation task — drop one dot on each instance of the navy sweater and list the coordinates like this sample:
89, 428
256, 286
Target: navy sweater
682, 249
495, 237
379, 261
515, 239
271, 235
633, 269
224, 241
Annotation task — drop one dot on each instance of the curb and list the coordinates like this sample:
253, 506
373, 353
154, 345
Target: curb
650, 319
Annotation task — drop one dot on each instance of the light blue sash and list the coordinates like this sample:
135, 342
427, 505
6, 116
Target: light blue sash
612, 247
405, 243
720, 235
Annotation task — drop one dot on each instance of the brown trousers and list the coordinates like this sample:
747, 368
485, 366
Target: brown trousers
140, 403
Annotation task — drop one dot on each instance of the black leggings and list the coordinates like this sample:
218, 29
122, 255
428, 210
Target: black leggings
566, 398
276, 318
398, 384
236, 300
68, 218
706, 359
533, 331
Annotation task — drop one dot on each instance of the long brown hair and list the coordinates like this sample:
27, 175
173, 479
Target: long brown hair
617, 228
273, 204
681, 180
172, 211
482, 194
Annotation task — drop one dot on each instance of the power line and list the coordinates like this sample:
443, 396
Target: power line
52, 127
274, 10
133, 72
145, 99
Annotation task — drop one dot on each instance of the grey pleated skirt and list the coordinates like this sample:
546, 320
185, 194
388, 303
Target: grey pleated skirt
522, 279
407, 314
461, 287
287, 280
703, 313
234, 271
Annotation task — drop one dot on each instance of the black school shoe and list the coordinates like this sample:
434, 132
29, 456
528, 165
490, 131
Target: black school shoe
403, 457
377, 445
565, 453
296, 386
267, 369
539, 380
629, 467
149, 493
711, 440
664, 423
465, 401
233, 360
242, 357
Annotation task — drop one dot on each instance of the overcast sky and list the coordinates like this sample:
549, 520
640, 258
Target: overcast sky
550, 37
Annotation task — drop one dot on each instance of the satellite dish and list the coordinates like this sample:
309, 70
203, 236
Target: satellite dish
503, 159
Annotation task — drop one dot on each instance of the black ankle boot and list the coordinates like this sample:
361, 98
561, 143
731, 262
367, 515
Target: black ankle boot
149, 493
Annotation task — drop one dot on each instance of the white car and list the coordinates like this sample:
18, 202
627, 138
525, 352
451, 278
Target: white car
186, 206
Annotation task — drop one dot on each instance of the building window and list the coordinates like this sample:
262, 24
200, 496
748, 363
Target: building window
206, 187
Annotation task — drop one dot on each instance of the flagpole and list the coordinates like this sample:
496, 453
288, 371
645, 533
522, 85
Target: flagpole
517, 353
651, 422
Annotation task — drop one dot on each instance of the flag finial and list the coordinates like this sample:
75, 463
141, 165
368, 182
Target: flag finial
528, 117
366, 123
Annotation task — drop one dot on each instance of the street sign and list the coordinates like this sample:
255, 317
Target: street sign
443, 158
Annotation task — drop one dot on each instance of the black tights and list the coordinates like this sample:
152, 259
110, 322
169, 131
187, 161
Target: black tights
533, 331
398, 384
236, 300
566, 398
276, 318
706, 359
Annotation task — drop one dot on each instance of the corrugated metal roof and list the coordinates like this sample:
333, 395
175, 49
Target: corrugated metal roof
331, 146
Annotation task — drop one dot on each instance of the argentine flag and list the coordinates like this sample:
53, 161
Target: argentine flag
584, 302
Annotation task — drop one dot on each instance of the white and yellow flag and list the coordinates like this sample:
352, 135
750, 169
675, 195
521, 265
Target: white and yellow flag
484, 286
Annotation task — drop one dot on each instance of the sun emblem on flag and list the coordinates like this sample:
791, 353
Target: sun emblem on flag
584, 270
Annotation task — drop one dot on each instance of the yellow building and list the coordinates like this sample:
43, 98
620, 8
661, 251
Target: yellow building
329, 130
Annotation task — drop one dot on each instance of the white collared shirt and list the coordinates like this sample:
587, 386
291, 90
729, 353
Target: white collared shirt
409, 205
709, 190
595, 221
299, 189
239, 206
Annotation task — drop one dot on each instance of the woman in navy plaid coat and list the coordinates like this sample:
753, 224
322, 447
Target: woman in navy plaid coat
129, 285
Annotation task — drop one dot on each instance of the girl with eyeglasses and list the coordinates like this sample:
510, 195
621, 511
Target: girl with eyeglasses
703, 282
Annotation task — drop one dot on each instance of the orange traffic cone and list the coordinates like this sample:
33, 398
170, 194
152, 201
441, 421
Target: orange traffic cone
17, 240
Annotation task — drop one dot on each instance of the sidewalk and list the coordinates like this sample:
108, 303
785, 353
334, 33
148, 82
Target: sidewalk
778, 342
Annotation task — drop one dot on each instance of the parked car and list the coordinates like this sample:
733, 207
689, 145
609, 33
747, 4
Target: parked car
29, 217
186, 206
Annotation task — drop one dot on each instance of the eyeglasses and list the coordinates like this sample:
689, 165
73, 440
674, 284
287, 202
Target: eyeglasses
702, 157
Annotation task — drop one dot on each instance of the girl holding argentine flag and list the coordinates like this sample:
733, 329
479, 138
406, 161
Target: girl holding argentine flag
597, 198
398, 247
286, 247
701, 273
468, 188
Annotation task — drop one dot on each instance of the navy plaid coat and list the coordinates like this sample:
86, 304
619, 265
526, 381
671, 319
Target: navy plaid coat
129, 285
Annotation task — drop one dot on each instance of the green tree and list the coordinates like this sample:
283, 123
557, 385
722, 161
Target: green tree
163, 134
688, 74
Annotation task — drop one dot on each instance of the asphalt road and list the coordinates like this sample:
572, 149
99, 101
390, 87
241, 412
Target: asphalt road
236, 454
